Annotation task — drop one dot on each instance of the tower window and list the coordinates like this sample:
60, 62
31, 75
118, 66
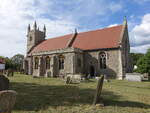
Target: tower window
30, 38
47, 62
102, 59
36, 62
61, 62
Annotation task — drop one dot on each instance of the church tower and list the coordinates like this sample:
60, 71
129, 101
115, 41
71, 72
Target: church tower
34, 36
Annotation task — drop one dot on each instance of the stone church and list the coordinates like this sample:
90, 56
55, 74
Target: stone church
103, 51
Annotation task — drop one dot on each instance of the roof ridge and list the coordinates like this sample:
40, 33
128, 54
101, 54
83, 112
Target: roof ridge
101, 29
60, 36
86, 31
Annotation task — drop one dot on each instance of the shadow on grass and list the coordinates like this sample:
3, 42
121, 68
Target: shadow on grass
146, 81
138, 87
36, 97
111, 99
126, 104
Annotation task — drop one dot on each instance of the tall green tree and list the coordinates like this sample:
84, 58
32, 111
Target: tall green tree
136, 57
144, 63
8, 62
17, 61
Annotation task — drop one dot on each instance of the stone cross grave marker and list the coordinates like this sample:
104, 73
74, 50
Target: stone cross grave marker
97, 98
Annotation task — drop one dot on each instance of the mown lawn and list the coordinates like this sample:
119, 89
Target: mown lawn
52, 95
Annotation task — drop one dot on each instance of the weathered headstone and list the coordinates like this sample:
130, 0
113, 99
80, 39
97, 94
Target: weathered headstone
73, 78
134, 77
7, 101
4, 83
68, 80
97, 98
145, 76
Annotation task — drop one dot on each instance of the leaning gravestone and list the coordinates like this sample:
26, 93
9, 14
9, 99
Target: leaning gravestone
7, 101
4, 83
97, 98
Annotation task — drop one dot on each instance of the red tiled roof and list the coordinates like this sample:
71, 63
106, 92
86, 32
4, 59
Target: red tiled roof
97, 39
103, 38
53, 44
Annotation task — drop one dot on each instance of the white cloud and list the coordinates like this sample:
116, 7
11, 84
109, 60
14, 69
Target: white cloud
96, 7
112, 25
16, 15
115, 6
59, 16
140, 49
140, 35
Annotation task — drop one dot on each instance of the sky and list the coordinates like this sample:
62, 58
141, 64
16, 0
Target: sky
63, 16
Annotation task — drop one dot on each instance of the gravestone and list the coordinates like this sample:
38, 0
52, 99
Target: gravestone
4, 83
9, 73
134, 77
145, 76
73, 78
68, 80
7, 101
97, 98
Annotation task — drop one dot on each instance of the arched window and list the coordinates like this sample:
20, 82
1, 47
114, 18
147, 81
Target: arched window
79, 62
61, 62
102, 59
47, 62
36, 62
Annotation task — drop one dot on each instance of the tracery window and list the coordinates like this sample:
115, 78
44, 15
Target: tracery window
47, 62
36, 62
61, 62
102, 60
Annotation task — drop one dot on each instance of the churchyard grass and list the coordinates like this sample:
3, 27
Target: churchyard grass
52, 95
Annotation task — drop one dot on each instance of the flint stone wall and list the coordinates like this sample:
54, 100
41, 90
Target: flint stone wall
113, 65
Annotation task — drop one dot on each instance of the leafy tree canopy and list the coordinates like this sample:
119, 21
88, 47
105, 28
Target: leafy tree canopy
15, 62
17, 59
136, 57
144, 63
